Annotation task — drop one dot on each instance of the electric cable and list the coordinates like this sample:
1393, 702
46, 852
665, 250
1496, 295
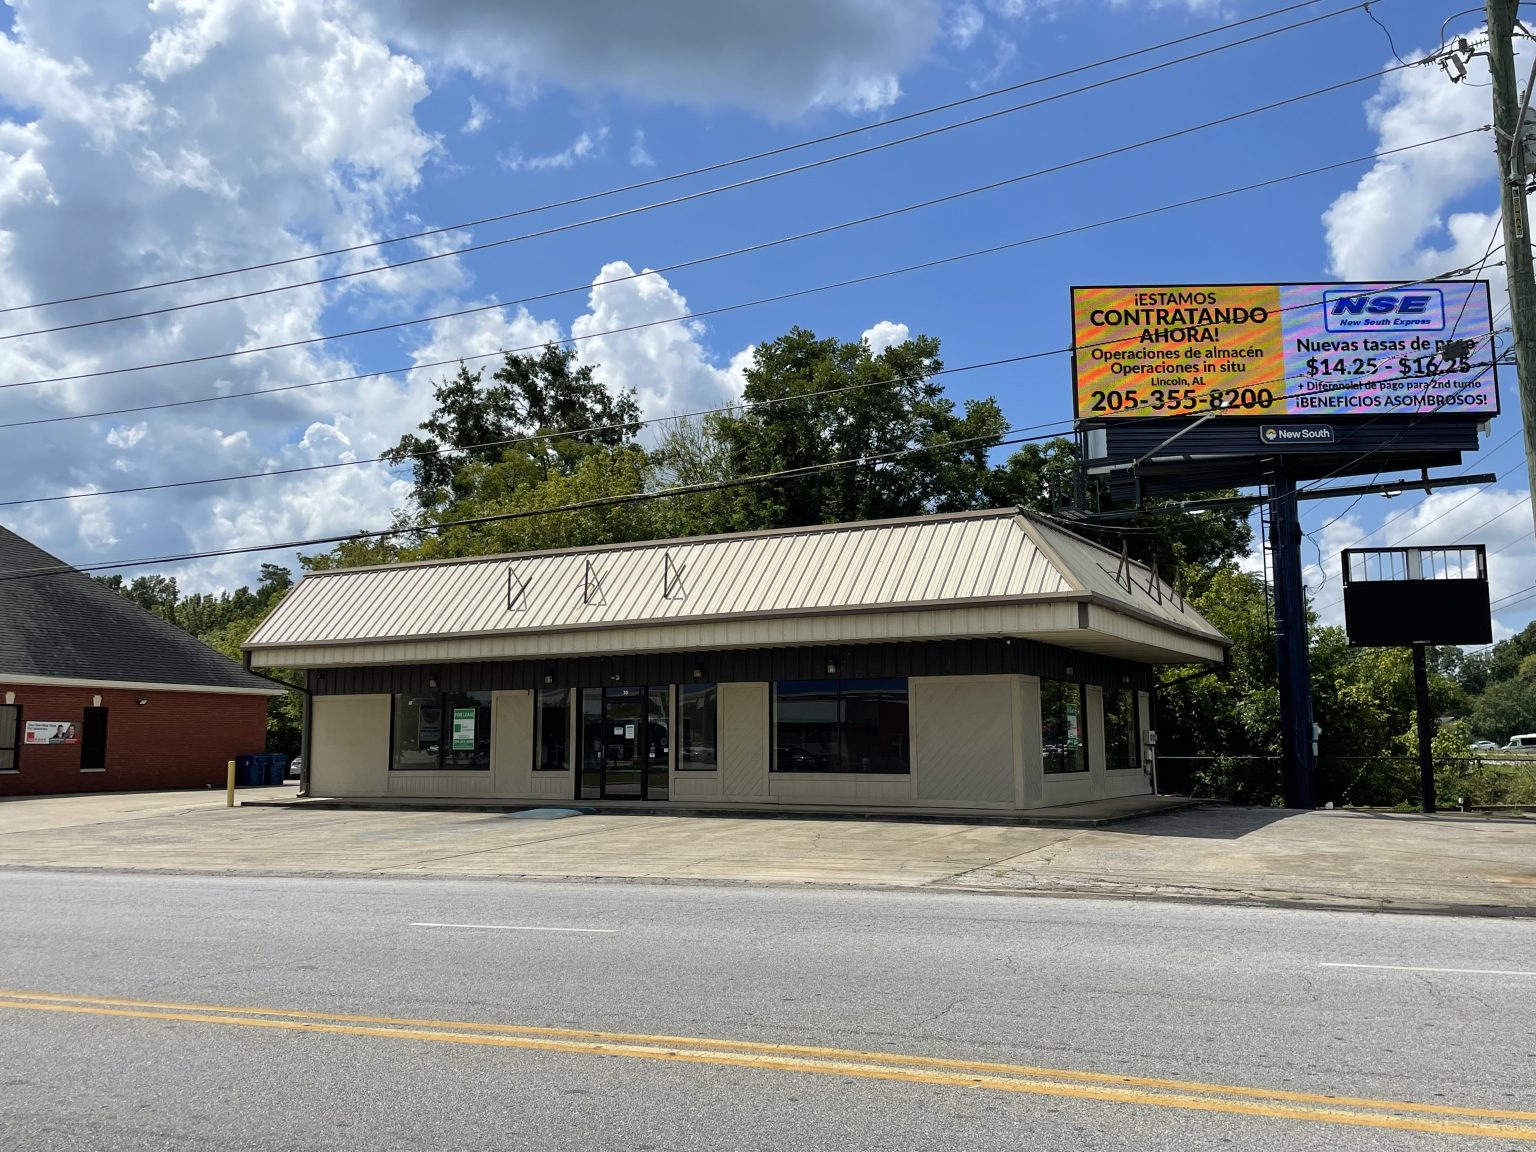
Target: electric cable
657, 181
774, 299
576, 433
690, 197
1488, 252
541, 437
529, 513
760, 246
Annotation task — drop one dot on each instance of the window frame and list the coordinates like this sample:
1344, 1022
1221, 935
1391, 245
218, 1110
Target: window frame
1137, 753
840, 692
680, 745
16, 740
1082, 750
445, 729
538, 728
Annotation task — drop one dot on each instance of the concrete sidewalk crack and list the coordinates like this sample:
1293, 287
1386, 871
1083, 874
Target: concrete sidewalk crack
490, 848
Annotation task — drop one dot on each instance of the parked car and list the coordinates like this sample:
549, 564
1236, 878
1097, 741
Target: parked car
1484, 746
295, 767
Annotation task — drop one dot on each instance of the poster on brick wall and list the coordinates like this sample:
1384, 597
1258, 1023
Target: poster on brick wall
51, 732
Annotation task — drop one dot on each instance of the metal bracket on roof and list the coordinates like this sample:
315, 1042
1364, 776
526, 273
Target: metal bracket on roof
591, 585
1178, 589
1154, 585
517, 591
1123, 573
671, 576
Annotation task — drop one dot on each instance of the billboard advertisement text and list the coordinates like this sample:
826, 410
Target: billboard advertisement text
1268, 350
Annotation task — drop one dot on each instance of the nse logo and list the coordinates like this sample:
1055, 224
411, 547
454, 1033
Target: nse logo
1352, 311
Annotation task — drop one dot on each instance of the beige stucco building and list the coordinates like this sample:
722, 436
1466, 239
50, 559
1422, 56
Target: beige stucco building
986, 662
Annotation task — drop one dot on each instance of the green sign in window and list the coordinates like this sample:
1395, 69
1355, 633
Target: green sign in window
464, 729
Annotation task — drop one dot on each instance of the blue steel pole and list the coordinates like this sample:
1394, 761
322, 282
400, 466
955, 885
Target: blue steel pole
1292, 665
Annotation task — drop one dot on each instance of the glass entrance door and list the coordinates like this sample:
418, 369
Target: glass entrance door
625, 745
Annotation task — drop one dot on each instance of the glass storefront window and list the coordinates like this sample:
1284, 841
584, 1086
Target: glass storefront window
841, 726
1122, 733
552, 730
1063, 708
698, 712
442, 731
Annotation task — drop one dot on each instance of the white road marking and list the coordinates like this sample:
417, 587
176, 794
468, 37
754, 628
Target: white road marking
517, 928
1456, 971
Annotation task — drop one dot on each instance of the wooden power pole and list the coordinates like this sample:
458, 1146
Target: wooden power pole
1508, 106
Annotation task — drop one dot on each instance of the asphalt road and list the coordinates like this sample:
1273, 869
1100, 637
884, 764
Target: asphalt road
179, 1012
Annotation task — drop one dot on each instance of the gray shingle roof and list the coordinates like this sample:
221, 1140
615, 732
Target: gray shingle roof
71, 627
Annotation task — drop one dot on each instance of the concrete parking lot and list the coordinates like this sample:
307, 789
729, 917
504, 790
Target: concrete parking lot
1370, 860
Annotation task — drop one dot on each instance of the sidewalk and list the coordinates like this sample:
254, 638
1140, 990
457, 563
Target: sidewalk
1365, 860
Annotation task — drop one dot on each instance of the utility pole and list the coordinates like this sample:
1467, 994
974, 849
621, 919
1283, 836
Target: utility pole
1292, 663
1507, 109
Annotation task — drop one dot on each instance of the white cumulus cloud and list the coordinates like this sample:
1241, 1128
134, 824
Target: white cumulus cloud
885, 334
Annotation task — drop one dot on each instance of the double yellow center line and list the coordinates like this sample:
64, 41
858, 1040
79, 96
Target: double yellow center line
1441, 1119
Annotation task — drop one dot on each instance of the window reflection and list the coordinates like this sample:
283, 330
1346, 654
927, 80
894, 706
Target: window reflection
1063, 707
841, 726
438, 731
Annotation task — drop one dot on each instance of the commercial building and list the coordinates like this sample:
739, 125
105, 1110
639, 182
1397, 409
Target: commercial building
99, 695
985, 661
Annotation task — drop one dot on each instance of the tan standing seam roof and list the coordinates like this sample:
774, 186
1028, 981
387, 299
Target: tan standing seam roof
897, 564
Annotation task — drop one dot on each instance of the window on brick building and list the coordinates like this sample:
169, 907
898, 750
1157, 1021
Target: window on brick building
10, 736
93, 741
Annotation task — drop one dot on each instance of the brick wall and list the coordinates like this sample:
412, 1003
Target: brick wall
173, 740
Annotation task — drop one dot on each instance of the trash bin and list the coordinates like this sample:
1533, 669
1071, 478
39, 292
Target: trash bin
277, 771
261, 766
245, 771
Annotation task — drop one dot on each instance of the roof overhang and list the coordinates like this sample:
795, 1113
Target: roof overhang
1082, 621
135, 685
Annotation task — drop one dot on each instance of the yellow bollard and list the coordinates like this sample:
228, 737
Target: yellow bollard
229, 799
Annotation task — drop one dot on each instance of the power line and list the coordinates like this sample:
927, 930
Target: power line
1488, 252
778, 298
570, 434
690, 197
716, 166
697, 261
579, 432
500, 517
1496, 516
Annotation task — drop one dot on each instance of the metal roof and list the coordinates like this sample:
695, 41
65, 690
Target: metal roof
894, 565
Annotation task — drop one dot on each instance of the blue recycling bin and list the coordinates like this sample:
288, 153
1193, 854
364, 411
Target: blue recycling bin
245, 771
277, 768
261, 766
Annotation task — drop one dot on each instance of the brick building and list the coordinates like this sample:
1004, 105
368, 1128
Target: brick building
99, 695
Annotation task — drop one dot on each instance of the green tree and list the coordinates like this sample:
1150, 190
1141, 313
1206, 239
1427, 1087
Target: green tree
1228, 722
479, 422
503, 490
1508, 707
885, 410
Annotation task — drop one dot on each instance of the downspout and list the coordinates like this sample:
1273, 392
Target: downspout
245, 659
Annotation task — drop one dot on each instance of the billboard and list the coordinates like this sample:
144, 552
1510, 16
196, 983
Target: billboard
1279, 350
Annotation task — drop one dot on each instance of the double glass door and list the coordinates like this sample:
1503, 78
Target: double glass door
625, 745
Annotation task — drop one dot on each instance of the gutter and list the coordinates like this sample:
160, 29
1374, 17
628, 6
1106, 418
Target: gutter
245, 659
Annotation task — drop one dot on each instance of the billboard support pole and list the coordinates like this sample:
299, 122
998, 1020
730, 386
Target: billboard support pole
1426, 728
1507, 107
1292, 666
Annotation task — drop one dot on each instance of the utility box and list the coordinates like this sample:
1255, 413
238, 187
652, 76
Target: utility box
1397, 597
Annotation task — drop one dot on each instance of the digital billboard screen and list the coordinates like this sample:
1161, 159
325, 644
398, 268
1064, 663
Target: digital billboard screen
1279, 350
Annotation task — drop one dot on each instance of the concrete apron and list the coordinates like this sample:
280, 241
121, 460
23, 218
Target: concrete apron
1088, 814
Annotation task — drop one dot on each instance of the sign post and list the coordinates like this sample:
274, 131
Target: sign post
1418, 597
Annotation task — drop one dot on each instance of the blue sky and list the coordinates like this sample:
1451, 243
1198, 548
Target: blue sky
141, 143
